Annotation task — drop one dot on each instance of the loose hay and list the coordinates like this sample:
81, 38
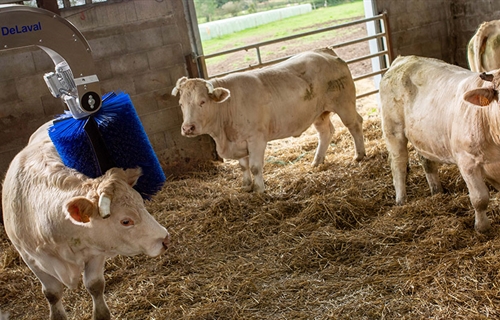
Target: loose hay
321, 243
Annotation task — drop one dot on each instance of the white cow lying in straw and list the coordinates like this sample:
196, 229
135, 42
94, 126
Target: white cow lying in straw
243, 111
450, 115
54, 217
483, 51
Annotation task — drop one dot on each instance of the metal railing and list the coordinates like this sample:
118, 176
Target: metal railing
382, 36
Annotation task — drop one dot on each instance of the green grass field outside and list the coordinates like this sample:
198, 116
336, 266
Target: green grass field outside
290, 26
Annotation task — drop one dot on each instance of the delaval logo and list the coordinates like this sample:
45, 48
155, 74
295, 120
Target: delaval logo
21, 29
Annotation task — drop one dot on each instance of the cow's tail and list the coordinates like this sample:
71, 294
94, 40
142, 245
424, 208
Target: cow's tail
485, 30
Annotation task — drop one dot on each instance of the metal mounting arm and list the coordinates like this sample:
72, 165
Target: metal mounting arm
22, 26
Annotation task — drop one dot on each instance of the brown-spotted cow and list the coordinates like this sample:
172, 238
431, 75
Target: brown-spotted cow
55, 217
245, 110
483, 51
450, 115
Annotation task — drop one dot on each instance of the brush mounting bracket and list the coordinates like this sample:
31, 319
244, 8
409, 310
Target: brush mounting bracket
22, 26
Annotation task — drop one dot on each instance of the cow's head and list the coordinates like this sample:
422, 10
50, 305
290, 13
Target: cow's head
197, 100
486, 95
130, 229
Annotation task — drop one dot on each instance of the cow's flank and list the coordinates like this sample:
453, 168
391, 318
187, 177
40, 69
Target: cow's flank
309, 93
336, 85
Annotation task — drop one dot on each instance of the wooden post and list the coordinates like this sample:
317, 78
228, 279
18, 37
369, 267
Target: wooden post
50, 5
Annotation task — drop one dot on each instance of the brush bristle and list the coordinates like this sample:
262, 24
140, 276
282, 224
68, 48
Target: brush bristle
126, 141
73, 145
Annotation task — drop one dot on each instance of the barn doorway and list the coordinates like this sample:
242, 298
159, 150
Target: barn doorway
361, 39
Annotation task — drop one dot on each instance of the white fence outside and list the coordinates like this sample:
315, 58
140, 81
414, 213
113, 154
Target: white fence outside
219, 28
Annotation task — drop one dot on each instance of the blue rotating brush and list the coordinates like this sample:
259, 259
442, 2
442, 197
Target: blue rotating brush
111, 137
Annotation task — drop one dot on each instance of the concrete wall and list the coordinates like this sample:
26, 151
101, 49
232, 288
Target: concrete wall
139, 47
419, 27
466, 16
438, 28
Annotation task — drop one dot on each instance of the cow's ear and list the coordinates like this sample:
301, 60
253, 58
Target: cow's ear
481, 97
133, 175
79, 210
220, 95
178, 85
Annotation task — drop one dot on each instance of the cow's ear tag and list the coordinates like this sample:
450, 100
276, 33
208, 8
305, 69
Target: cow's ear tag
484, 101
480, 97
78, 210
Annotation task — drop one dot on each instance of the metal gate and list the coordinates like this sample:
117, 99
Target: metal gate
380, 36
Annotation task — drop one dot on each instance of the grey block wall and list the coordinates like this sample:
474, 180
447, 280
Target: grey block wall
466, 17
436, 28
419, 27
138, 47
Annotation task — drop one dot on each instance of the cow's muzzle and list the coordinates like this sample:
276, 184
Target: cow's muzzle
166, 241
188, 129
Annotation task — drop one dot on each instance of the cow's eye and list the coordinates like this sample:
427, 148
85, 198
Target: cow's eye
127, 222
202, 103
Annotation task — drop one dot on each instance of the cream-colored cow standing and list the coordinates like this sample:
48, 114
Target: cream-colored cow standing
64, 224
243, 111
483, 51
450, 115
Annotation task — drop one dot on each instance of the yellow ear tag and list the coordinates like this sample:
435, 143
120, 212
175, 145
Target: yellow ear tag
483, 101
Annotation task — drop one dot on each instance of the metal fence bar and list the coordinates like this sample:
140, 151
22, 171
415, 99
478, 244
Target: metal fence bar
365, 94
274, 61
348, 43
371, 74
295, 36
387, 38
381, 35
369, 56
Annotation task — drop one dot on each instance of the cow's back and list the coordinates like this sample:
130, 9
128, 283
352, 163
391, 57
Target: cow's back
424, 96
32, 189
314, 73
412, 81
284, 99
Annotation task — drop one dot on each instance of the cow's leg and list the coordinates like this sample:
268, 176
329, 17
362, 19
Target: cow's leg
51, 288
431, 174
478, 193
256, 151
93, 278
247, 175
325, 129
354, 123
491, 175
397, 146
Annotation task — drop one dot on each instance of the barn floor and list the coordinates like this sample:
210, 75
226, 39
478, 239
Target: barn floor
320, 243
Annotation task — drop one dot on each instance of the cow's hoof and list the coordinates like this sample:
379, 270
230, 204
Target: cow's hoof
359, 157
246, 188
401, 202
484, 228
317, 162
258, 189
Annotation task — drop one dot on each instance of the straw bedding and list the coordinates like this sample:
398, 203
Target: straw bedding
320, 243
